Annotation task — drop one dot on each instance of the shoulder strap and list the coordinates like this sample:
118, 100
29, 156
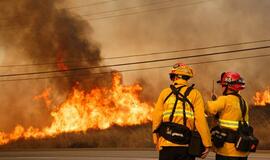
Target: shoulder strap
175, 91
184, 96
167, 97
184, 99
189, 89
243, 105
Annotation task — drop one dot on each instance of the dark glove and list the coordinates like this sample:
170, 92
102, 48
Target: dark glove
213, 97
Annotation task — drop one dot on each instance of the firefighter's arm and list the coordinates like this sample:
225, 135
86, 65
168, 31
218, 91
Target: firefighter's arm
200, 120
157, 116
213, 107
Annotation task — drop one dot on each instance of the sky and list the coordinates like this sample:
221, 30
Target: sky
182, 25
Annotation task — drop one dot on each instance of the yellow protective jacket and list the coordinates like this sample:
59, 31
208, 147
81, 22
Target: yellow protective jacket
228, 108
163, 110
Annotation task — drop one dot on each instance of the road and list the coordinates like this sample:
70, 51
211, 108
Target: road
98, 154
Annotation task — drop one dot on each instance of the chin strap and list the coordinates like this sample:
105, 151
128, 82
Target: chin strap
225, 91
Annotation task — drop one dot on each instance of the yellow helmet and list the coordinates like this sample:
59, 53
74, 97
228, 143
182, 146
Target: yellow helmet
181, 69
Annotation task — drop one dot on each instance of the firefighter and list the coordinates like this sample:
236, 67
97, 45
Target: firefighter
231, 110
187, 113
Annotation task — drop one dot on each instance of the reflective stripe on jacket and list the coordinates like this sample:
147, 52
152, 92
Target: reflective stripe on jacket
228, 123
228, 108
177, 113
163, 110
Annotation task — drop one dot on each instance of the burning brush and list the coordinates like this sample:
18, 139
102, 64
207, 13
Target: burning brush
99, 108
262, 98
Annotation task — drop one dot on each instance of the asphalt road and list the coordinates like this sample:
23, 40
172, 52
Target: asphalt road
98, 154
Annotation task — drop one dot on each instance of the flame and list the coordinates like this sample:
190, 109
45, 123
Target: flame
262, 98
99, 108
45, 96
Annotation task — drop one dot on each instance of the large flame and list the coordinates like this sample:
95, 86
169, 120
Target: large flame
262, 98
98, 108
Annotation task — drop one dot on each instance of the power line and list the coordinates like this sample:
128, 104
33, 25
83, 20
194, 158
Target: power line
150, 10
135, 63
87, 5
198, 63
99, 18
146, 54
69, 8
123, 9
147, 68
97, 13
191, 49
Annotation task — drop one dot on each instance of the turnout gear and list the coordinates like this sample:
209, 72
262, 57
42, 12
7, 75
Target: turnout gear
174, 132
228, 109
233, 137
179, 124
243, 137
178, 133
245, 140
181, 69
163, 110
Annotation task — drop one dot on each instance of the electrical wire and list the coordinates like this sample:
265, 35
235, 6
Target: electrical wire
138, 69
150, 10
68, 8
87, 5
100, 18
191, 49
145, 54
123, 9
135, 63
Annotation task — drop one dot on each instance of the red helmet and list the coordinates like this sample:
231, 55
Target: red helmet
232, 80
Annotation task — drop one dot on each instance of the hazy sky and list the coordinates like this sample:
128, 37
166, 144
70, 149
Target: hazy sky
182, 25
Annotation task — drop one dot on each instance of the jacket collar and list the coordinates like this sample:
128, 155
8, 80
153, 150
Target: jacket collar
180, 82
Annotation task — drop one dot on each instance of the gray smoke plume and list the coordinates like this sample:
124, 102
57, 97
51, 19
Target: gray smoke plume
46, 34
37, 32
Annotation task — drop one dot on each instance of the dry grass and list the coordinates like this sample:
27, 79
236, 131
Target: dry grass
131, 137
124, 137
260, 121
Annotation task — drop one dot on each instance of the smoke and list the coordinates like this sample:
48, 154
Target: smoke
41, 33
38, 32
212, 22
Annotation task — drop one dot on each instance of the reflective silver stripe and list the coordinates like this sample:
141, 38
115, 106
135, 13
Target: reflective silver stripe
228, 123
178, 113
